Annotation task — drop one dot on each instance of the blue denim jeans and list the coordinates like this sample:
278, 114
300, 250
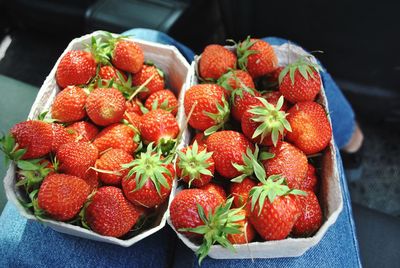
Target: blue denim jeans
26, 243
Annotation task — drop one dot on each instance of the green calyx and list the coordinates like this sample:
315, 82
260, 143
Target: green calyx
272, 120
273, 186
149, 165
10, 148
193, 163
217, 226
243, 51
219, 118
251, 165
304, 66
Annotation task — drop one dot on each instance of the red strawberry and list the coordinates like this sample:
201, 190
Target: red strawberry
158, 126
247, 231
257, 57
265, 123
105, 106
84, 131
311, 216
200, 139
133, 119
215, 61
290, 162
35, 136
300, 81
111, 161
210, 110
76, 158
163, 99
155, 84
75, 68
149, 180
183, 210
311, 130
117, 136
61, 136
217, 190
242, 100
109, 72
127, 56
195, 165
234, 79
134, 106
240, 191
228, 147
110, 214
69, 105
310, 182
62, 196
273, 98
274, 216
195, 214
91, 179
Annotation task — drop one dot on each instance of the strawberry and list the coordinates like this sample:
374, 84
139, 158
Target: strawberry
34, 136
184, 208
265, 123
143, 77
300, 81
158, 126
234, 79
76, 158
109, 166
117, 136
247, 232
127, 55
92, 179
242, 99
110, 214
210, 109
228, 148
84, 131
194, 165
163, 99
257, 57
134, 106
240, 191
288, 161
310, 182
199, 138
69, 105
273, 98
61, 136
105, 106
217, 190
62, 196
75, 68
273, 217
311, 216
194, 212
215, 61
311, 129
108, 72
149, 180
133, 119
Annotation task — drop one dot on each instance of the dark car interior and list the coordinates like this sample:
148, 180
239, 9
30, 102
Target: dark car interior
359, 40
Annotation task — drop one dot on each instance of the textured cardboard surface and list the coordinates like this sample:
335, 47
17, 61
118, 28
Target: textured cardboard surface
176, 69
330, 191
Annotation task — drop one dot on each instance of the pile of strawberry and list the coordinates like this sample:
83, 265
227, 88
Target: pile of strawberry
102, 161
247, 175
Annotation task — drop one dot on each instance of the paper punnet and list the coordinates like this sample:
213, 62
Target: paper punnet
176, 68
330, 191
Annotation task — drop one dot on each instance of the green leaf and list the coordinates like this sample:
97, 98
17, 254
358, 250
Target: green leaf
26, 165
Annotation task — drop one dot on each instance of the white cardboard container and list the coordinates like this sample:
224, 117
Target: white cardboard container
176, 69
330, 191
